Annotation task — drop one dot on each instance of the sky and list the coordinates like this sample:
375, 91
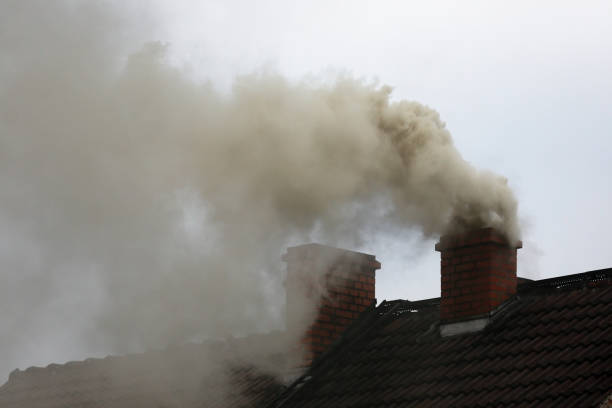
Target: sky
523, 88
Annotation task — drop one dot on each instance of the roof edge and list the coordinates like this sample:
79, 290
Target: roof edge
591, 279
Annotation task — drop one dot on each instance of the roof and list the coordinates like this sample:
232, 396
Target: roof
550, 346
194, 375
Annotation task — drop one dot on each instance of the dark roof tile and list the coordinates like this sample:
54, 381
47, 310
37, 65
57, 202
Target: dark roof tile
137, 381
550, 347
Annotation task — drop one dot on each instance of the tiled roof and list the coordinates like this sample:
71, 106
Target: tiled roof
551, 346
188, 376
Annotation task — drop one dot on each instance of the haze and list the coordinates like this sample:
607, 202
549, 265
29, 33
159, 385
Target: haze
523, 90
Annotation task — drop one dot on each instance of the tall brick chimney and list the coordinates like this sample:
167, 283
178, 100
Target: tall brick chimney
478, 274
338, 282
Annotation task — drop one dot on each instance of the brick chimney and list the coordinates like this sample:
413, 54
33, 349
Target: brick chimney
327, 290
478, 274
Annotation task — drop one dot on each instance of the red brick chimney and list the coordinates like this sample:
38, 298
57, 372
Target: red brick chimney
478, 273
337, 282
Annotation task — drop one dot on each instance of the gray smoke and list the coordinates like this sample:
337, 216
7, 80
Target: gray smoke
140, 207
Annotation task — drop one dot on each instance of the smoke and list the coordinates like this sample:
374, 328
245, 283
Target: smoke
140, 207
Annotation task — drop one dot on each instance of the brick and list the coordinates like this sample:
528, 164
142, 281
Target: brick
366, 302
320, 332
478, 272
464, 267
323, 317
350, 283
343, 313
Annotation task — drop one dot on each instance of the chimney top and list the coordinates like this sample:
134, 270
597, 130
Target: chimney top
325, 253
473, 238
340, 284
478, 274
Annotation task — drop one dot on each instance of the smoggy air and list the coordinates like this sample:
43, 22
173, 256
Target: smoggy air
174, 200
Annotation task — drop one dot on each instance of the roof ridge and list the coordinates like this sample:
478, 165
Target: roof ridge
50, 369
590, 279
529, 286
53, 368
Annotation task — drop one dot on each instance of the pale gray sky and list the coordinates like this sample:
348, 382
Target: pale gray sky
524, 88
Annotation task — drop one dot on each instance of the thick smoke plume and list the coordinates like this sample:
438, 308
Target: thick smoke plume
141, 208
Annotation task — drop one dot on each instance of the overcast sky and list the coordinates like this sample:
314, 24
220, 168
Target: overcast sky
524, 88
